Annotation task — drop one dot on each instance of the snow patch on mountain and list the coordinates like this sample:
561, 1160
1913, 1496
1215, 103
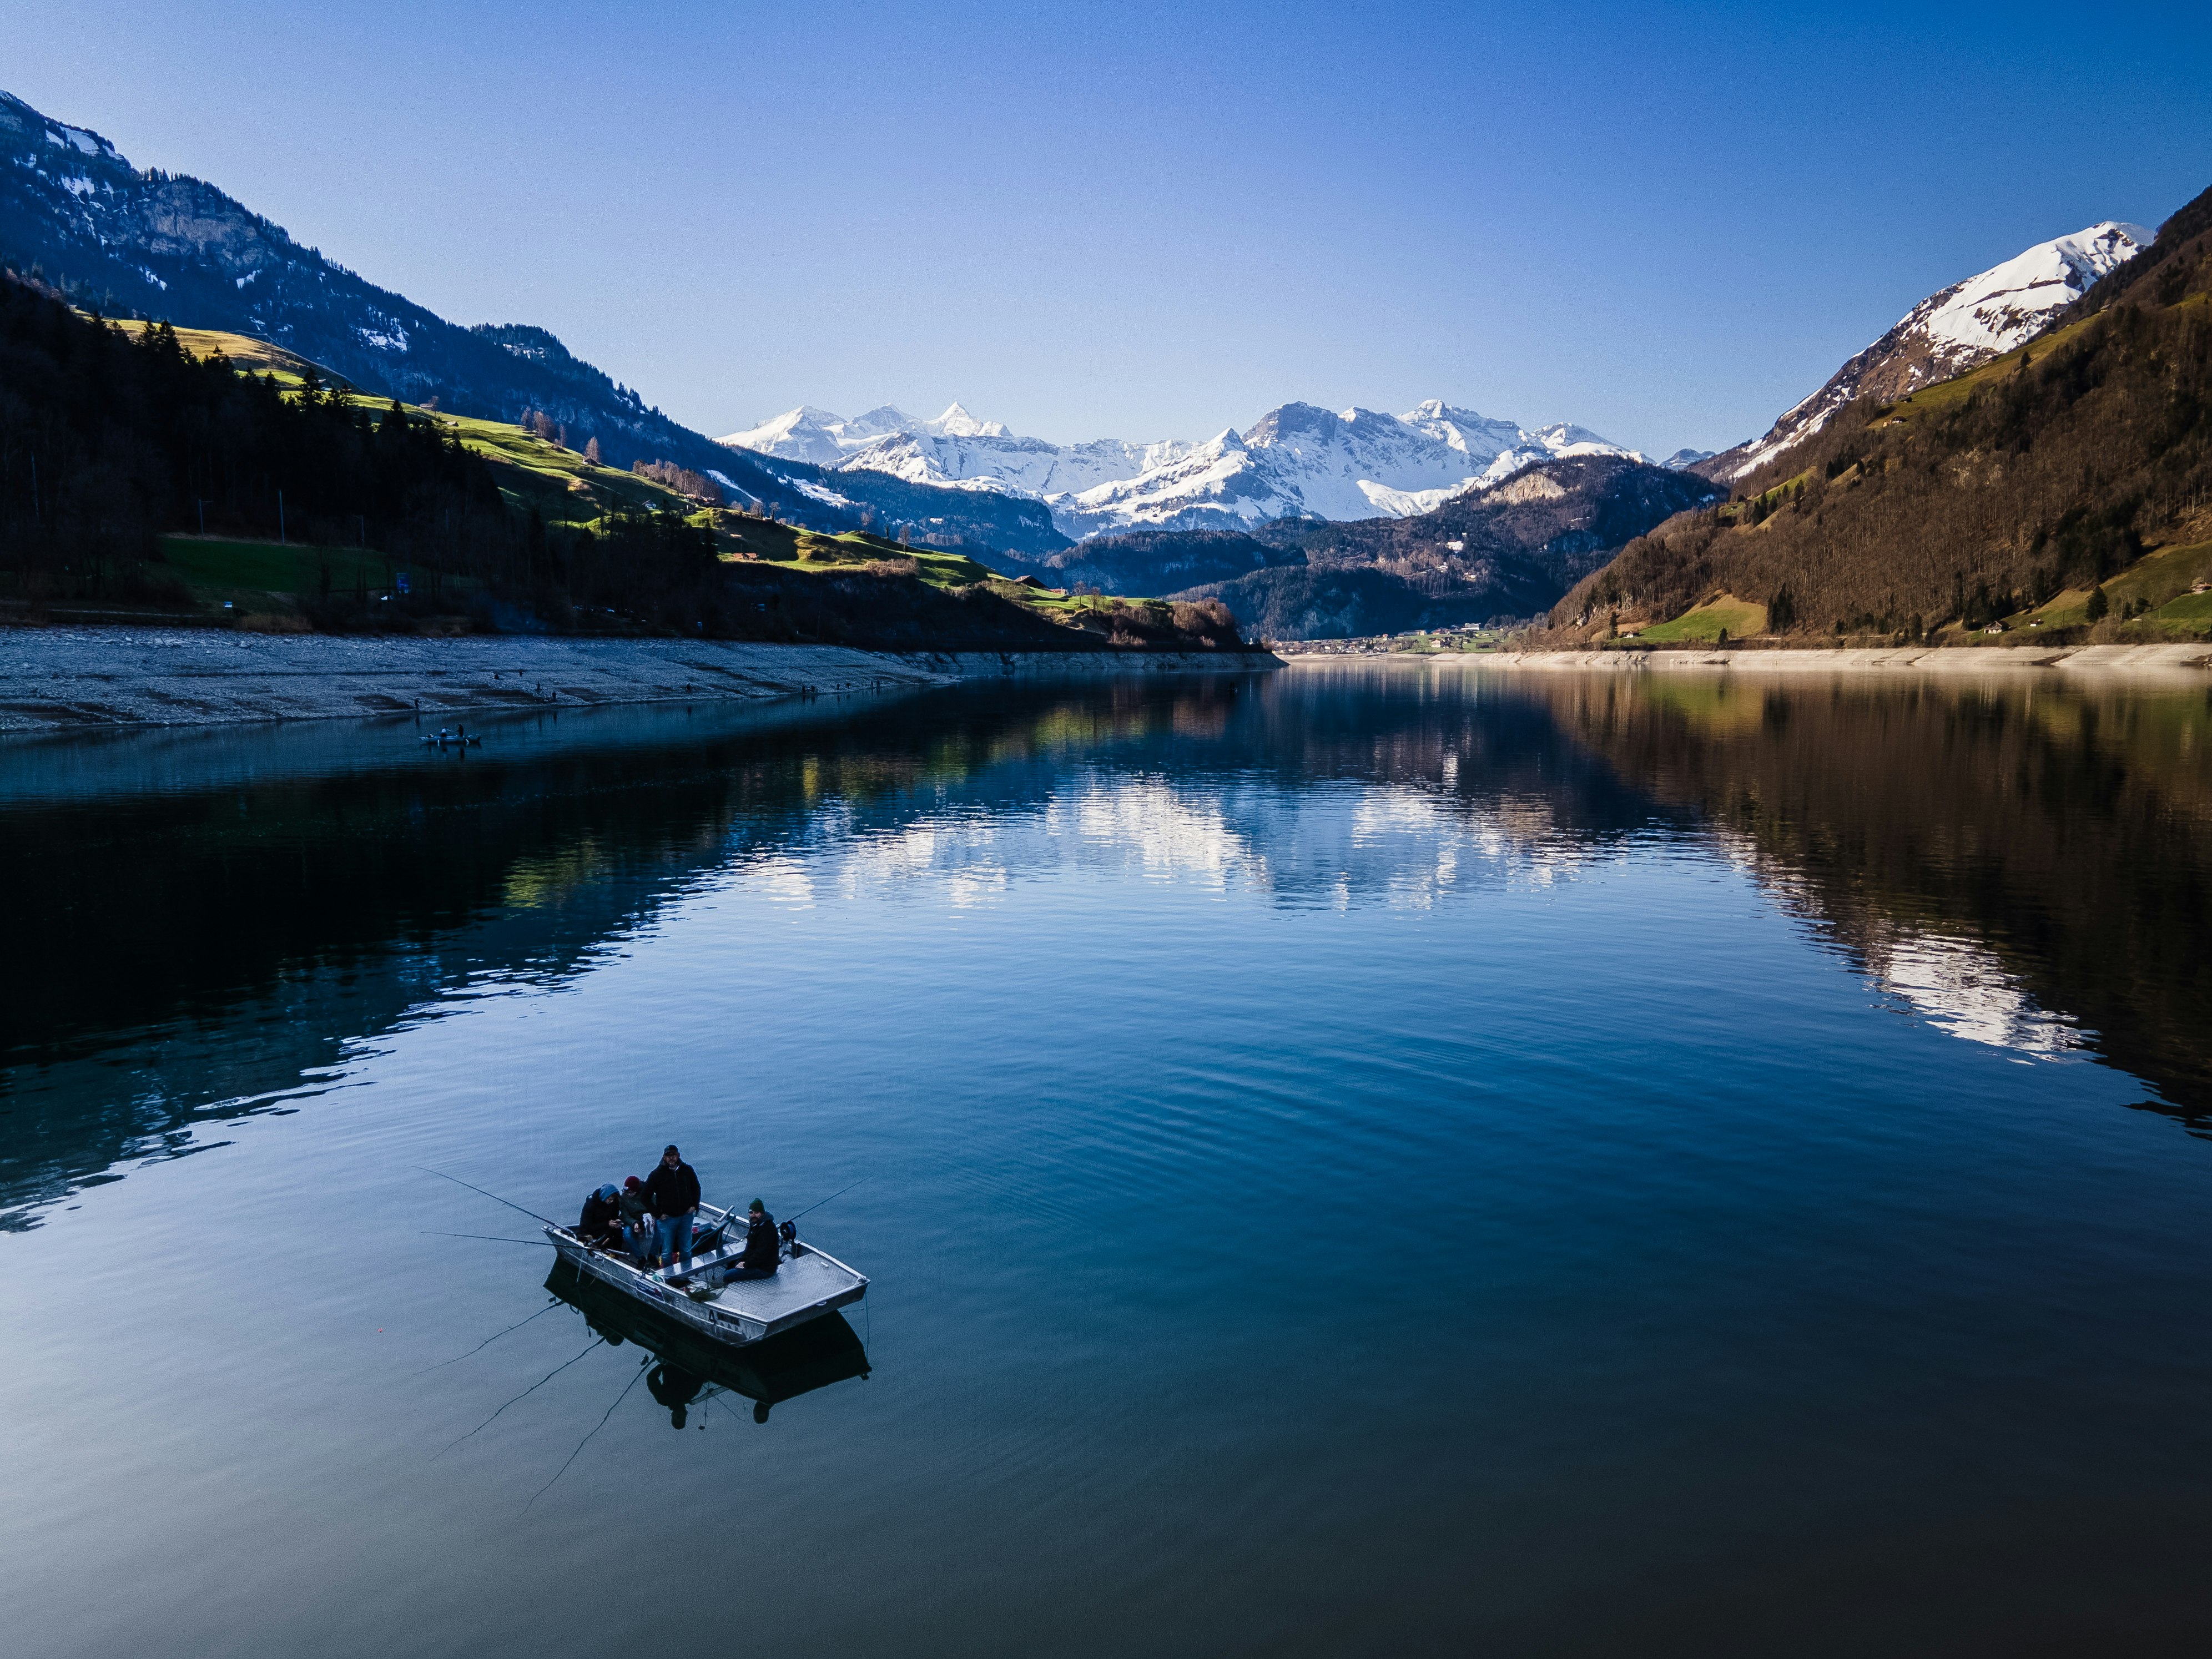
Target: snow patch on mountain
1948, 333
808, 434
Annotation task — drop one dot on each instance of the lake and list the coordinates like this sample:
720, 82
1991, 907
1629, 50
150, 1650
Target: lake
1374, 1158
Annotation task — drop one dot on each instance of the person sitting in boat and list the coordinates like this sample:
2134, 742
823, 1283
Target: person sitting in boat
759, 1259
672, 1190
600, 1225
636, 1219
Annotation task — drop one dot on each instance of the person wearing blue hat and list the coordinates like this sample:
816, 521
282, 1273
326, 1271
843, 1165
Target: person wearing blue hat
600, 1225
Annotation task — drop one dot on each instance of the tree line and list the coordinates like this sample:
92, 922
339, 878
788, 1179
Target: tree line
111, 438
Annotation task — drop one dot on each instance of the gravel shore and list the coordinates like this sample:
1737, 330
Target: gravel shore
2163, 660
95, 677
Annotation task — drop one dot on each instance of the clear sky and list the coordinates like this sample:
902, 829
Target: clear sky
1668, 223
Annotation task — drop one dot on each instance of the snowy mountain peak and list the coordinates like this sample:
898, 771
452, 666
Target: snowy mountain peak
1958, 328
957, 423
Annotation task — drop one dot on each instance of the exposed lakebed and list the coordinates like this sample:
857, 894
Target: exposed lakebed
1357, 1160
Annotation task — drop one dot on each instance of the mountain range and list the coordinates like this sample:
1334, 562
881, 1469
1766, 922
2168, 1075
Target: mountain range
1308, 519
1295, 461
76, 215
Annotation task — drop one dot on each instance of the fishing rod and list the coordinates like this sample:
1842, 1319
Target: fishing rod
494, 1197
840, 1192
494, 1238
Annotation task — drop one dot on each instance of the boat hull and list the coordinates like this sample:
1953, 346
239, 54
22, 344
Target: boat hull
807, 1286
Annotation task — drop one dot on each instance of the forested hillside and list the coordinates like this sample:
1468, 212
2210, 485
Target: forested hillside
2007, 496
113, 439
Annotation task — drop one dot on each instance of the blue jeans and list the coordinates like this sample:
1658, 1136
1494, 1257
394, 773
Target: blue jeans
675, 1234
638, 1239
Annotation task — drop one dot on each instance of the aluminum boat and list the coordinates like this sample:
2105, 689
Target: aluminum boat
808, 1282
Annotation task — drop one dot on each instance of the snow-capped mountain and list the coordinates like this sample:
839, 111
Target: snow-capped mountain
1949, 332
1023, 466
808, 434
1295, 460
1300, 460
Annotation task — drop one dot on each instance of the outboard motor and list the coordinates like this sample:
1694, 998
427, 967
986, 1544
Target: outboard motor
789, 1234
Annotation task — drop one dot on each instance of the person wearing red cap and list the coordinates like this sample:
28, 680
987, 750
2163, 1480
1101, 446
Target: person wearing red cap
637, 1221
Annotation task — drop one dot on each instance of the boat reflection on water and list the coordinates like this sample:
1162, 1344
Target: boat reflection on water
691, 1369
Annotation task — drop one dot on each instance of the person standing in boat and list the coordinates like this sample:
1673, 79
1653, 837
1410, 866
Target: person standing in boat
672, 1191
761, 1250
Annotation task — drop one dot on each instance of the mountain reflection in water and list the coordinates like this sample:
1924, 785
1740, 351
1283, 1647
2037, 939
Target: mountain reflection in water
2023, 863
2027, 861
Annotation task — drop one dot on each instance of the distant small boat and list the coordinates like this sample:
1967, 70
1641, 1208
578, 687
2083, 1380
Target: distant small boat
451, 740
807, 1283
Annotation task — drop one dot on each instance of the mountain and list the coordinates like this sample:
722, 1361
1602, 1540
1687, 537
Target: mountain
2007, 496
1510, 549
808, 434
76, 215
1949, 332
1296, 460
1299, 460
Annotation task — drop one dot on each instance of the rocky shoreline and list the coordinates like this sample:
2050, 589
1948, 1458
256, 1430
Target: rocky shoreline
58, 678
2164, 660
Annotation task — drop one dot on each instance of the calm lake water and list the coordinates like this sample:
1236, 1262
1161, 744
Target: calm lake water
1365, 1160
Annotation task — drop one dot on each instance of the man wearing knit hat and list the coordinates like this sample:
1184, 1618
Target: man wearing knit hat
672, 1190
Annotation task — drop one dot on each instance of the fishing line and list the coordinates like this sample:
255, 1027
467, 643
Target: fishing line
524, 1394
494, 1197
586, 1440
840, 1192
495, 1239
489, 1340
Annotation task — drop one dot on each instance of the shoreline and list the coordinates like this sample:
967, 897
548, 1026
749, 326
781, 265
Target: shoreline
91, 677
2166, 661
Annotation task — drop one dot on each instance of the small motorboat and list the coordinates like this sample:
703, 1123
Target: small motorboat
453, 739
808, 1283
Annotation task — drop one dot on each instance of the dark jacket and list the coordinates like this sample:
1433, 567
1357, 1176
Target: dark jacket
760, 1242
673, 1192
599, 1216
633, 1205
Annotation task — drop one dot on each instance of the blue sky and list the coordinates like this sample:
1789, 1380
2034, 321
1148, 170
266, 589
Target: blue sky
1667, 224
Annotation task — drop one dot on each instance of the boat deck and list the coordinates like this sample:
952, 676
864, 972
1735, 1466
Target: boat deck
807, 1285
803, 1282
